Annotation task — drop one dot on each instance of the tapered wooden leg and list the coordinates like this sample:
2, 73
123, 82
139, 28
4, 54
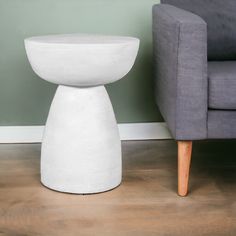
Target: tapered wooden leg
184, 159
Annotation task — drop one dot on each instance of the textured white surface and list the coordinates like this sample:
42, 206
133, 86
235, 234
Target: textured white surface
81, 150
86, 60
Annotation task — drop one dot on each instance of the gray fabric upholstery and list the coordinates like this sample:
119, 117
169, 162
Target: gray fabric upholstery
221, 124
220, 16
180, 52
222, 84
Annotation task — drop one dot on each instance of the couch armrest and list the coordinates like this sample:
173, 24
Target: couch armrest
180, 57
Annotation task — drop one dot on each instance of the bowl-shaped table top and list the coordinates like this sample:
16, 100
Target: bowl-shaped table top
81, 59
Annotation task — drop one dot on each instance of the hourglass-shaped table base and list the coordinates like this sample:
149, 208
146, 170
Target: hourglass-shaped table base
81, 150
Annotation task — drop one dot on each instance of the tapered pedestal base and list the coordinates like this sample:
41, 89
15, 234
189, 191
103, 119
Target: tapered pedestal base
81, 150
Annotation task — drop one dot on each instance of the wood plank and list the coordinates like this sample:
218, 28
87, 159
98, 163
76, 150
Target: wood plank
145, 204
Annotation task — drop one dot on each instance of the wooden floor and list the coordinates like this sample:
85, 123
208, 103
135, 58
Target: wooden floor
145, 204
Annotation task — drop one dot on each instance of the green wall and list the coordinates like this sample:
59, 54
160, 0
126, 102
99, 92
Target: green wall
25, 99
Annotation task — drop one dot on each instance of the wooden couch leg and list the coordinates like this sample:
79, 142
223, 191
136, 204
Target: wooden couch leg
184, 159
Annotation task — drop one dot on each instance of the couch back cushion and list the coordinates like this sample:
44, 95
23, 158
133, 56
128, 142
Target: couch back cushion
220, 16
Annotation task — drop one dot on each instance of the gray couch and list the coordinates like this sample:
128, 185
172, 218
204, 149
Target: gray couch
195, 72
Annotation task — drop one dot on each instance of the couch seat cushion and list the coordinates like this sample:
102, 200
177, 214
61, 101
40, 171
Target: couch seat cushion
222, 85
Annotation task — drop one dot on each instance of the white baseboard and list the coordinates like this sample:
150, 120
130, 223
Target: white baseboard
130, 131
21, 134
144, 131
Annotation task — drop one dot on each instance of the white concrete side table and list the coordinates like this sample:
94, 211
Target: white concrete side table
81, 149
